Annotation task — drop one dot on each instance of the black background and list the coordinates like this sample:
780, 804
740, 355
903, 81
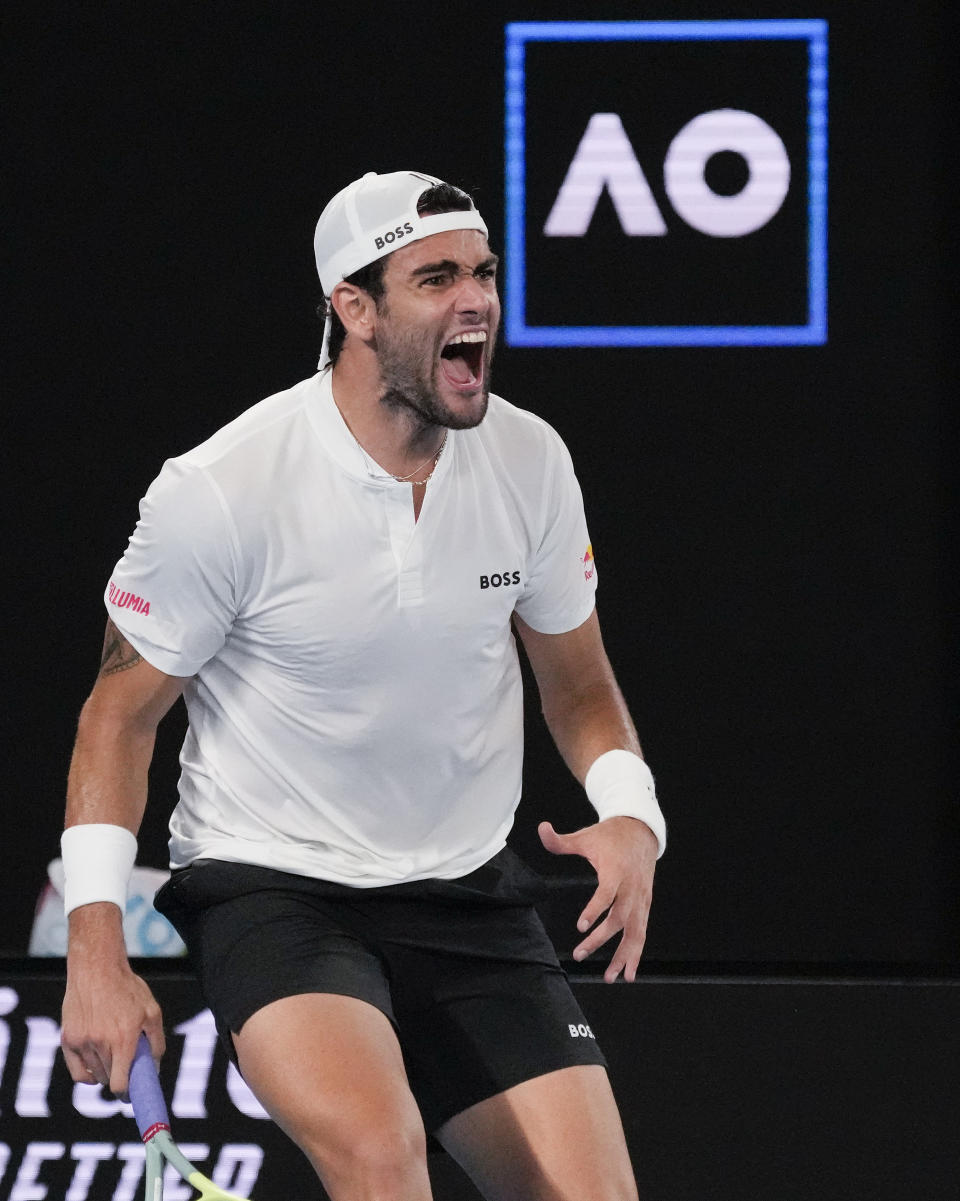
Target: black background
772, 526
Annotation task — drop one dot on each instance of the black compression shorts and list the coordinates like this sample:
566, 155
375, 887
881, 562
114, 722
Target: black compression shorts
462, 968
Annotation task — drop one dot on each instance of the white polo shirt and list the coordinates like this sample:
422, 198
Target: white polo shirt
355, 703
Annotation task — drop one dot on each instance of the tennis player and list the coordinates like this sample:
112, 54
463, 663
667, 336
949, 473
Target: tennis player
334, 582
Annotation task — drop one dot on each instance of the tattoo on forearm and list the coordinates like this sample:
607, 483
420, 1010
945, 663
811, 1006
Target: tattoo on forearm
118, 654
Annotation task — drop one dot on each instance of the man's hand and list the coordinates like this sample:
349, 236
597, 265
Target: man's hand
105, 1006
623, 853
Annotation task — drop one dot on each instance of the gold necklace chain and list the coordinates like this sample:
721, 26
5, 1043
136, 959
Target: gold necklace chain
436, 462
402, 479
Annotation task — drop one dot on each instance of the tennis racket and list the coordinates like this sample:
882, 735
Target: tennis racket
150, 1110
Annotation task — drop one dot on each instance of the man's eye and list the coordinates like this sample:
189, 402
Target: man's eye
435, 280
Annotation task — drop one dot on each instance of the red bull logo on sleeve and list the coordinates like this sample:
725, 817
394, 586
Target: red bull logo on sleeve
588, 564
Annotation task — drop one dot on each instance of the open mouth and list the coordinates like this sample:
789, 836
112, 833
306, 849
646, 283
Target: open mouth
462, 359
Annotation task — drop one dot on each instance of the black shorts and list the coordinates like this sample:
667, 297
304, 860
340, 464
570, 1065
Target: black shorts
462, 968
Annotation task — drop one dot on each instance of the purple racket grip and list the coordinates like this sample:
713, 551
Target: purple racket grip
146, 1096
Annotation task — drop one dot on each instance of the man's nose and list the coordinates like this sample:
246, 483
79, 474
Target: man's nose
472, 297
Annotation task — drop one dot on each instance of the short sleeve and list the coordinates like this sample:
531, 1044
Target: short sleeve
173, 594
561, 583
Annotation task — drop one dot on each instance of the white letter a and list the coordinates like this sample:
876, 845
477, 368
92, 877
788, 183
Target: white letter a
604, 158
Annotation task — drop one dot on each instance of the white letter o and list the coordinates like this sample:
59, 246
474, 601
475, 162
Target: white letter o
767, 163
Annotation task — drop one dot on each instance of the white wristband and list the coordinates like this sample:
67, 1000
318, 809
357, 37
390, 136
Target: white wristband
97, 862
619, 784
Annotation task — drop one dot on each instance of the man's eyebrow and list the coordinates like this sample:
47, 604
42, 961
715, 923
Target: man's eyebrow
448, 265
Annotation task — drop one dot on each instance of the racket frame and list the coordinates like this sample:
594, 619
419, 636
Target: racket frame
153, 1121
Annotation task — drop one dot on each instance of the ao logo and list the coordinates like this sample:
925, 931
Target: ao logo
605, 159
662, 110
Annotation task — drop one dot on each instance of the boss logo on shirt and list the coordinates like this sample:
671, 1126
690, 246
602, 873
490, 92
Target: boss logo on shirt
500, 579
394, 235
582, 1030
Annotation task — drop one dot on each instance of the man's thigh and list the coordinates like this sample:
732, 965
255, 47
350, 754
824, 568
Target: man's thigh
557, 1137
256, 936
491, 1010
329, 1071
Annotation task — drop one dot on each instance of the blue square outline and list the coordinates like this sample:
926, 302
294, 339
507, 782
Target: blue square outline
516, 330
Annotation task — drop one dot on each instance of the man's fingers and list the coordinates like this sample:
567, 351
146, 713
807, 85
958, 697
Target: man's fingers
152, 1027
158, 1044
598, 904
606, 930
629, 950
106, 1060
626, 959
101, 1068
77, 1067
556, 844
120, 1070
86, 1064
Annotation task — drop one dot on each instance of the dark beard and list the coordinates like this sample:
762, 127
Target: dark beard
426, 408
406, 389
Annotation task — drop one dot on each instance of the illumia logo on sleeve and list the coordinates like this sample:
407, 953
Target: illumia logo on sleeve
666, 183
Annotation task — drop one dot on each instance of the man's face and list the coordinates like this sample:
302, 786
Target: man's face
436, 327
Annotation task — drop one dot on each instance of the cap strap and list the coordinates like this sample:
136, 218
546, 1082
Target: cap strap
325, 348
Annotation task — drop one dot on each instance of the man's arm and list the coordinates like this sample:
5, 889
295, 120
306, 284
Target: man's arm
587, 716
106, 1006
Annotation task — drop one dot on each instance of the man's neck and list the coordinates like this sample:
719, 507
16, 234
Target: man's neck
391, 435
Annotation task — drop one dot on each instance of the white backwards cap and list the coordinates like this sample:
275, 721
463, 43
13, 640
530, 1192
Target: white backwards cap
372, 217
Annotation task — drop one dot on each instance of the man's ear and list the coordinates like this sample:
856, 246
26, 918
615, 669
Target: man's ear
356, 309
